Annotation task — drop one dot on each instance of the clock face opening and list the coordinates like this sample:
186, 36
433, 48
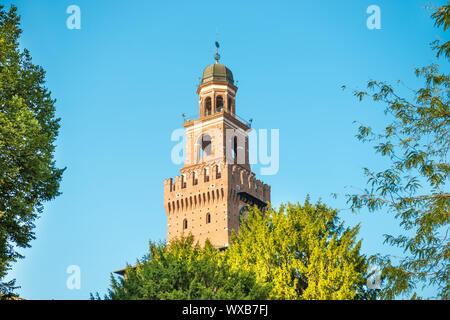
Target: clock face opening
243, 213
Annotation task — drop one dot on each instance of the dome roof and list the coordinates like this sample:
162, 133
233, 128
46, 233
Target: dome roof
217, 72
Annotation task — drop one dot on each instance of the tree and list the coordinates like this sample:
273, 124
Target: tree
184, 271
303, 251
28, 129
415, 185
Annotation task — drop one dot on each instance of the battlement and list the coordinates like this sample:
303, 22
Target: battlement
196, 186
204, 173
210, 183
244, 180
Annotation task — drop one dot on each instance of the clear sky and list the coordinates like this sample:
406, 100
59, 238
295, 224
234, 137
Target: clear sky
123, 80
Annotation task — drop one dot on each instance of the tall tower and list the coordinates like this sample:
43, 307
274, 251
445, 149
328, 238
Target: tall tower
216, 184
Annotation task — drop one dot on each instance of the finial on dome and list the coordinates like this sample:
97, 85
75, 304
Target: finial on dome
217, 55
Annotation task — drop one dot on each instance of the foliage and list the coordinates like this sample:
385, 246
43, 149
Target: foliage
303, 251
28, 129
298, 252
414, 187
441, 17
182, 270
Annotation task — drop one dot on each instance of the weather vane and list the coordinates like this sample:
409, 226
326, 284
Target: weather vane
217, 55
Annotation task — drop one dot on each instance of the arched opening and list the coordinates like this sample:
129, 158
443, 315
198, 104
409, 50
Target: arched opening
243, 213
219, 104
205, 146
208, 106
229, 104
208, 218
185, 224
234, 146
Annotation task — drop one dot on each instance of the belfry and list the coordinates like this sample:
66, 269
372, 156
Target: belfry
216, 185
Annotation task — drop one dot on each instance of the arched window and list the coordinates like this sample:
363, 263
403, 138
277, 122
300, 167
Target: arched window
229, 105
219, 104
234, 148
207, 106
208, 218
205, 145
185, 224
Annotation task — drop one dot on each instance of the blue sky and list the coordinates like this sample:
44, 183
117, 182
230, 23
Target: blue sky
123, 80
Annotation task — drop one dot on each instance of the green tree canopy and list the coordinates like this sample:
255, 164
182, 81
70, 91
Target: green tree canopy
297, 252
415, 185
182, 270
303, 251
28, 129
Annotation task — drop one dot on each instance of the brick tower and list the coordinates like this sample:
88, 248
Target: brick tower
216, 184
